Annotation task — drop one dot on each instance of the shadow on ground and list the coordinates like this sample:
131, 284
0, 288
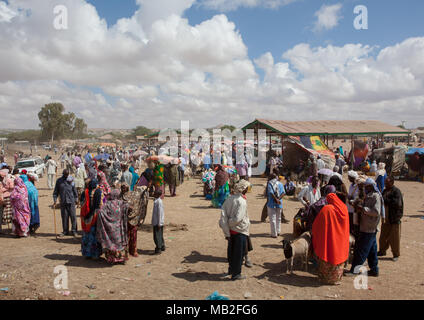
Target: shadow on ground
196, 256
79, 261
277, 273
201, 276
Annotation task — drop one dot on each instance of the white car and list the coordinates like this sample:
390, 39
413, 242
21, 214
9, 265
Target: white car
34, 166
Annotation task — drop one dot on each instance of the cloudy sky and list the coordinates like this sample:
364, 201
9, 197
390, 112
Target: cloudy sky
123, 63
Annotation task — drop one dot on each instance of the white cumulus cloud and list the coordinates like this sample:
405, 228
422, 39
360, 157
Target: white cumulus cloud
328, 17
160, 71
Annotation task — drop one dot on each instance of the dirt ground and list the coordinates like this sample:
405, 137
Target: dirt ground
194, 263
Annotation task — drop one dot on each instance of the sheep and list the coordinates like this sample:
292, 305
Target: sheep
297, 248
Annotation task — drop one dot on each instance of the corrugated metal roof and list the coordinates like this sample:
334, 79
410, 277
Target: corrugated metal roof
328, 127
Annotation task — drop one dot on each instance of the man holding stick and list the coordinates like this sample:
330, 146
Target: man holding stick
65, 189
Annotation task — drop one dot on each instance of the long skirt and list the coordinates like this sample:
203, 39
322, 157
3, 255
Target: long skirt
328, 273
221, 195
132, 239
20, 222
35, 220
90, 248
7, 211
114, 257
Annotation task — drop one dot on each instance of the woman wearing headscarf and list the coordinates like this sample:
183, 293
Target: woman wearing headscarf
146, 178
114, 173
137, 201
91, 202
112, 228
101, 178
6, 187
330, 239
92, 170
33, 204
135, 178
381, 176
208, 180
341, 189
312, 212
80, 178
158, 178
21, 211
222, 187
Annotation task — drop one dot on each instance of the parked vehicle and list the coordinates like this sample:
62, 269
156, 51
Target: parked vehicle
34, 166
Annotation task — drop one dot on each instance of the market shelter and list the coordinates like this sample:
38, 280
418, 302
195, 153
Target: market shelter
301, 138
325, 128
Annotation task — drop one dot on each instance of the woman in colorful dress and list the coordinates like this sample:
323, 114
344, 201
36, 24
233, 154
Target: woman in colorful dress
112, 228
114, 173
33, 204
21, 212
6, 187
103, 184
208, 180
330, 239
137, 201
135, 178
222, 187
158, 178
91, 202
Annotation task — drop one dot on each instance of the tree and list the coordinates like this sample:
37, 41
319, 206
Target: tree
142, 131
55, 124
80, 129
229, 127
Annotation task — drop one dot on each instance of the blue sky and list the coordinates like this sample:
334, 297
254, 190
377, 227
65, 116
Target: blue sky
277, 30
162, 68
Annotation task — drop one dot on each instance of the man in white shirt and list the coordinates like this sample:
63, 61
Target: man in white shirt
352, 196
51, 173
311, 193
320, 163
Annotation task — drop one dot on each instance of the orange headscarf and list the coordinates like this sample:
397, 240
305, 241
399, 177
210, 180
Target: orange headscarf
330, 232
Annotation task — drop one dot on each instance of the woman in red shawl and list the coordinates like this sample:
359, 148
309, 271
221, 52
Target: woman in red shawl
330, 239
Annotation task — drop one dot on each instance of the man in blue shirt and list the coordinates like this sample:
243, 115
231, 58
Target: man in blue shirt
275, 193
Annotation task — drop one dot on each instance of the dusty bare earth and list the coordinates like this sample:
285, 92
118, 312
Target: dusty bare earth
194, 263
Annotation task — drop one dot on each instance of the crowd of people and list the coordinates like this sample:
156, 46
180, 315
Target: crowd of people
18, 201
112, 195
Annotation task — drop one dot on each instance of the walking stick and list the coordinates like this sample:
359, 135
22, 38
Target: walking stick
54, 215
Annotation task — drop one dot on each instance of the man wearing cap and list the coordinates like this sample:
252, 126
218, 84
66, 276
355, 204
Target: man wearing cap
65, 189
371, 213
235, 224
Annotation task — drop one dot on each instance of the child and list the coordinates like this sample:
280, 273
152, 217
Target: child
158, 218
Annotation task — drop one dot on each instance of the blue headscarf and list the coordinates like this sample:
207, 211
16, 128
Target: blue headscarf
135, 178
33, 200
371, 182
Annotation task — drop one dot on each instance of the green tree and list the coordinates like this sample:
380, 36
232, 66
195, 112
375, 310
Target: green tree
55, 124
229, 127
80, 129
142, 131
